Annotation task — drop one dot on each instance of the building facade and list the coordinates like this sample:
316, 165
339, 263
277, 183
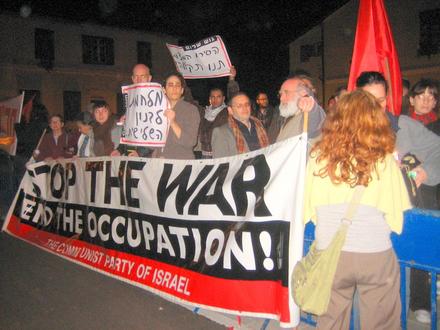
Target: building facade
68, 66
326, 50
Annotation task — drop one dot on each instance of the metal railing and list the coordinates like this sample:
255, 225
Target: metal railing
417, 247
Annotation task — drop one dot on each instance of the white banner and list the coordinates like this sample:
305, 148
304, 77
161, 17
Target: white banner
177, 227
207, 58
145, 123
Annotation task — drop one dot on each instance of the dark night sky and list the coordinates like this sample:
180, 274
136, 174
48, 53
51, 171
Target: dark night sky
256, 33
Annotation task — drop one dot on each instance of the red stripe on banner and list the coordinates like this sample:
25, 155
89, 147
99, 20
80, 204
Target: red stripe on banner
157, 85
251, 297
124, 140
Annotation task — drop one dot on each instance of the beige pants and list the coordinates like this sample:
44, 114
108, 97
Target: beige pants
377, 279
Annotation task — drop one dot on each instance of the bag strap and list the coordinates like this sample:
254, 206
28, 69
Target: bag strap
354, 203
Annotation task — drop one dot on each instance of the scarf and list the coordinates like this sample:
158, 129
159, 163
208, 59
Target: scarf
239, 139
425, 119
211, 113
103, 137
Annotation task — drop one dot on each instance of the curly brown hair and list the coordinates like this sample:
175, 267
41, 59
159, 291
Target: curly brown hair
354, 138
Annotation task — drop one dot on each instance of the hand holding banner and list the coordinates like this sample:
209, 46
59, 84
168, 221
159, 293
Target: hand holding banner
207, 58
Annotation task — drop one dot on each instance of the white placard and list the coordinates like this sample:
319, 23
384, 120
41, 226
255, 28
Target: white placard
207, 58
145, 123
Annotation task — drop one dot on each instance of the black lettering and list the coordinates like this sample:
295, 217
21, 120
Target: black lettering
43, 169
93, 167
159, 98
70, 177
131, 183
114, 182
240, 187
144, 100
217, 197
58, 169
181, 182
133, 102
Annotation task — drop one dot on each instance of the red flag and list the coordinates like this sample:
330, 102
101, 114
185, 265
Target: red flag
27, 109
374, 50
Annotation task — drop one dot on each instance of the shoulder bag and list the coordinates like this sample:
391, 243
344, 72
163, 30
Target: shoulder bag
313, 275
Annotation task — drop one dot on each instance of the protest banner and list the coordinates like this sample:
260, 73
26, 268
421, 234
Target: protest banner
207, 58
145, 123
221, 234
10, 114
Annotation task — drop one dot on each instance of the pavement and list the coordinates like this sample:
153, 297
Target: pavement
39, 290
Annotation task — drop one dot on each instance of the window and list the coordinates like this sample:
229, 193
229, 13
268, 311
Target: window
144, 53
44, 44
97, 50
429, 32
310, 50
44, 48
306, 52
72, 104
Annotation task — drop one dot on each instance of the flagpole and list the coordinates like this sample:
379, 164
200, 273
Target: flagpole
21, 107
32, 159
306, 121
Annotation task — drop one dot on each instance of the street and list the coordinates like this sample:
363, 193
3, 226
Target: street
39, 290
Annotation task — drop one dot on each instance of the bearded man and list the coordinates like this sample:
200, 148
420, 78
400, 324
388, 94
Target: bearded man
295, 99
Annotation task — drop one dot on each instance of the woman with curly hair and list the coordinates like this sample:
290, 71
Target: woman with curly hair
356, 149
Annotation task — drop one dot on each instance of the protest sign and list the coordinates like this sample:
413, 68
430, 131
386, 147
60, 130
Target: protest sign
10, 113
145, 123
207, 58
221, 234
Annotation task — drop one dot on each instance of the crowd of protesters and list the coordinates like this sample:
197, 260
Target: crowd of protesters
358, 142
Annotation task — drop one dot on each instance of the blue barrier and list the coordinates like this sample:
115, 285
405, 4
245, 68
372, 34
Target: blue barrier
417, 247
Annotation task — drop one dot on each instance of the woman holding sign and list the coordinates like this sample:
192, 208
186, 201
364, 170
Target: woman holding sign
183, 119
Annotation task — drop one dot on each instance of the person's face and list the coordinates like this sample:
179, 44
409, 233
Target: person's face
101, 115
262, 100
404, 91
379, 92
423, 103
83, 128
56, 124
288, 91
240, 108
173, 88
331, 103
141, 74
216, 98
